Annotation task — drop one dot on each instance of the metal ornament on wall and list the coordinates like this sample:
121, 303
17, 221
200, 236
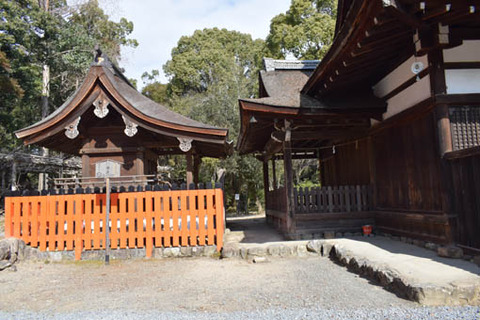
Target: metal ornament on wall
130, 127
71, 131
185, 144
101, 107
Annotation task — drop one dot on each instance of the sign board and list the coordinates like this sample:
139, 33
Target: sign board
107, 168
237, 196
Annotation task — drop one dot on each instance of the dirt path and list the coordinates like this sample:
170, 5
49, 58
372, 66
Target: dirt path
199, 284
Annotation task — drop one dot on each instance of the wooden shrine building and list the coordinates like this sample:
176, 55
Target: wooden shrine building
119, 132
392, 113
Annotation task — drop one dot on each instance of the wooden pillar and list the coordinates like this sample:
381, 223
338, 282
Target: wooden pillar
373, 173
189, 157
3, 180
197, 161
288, 173
444, 138
438, 86
14, 176
274, 175
266, 186
140, 163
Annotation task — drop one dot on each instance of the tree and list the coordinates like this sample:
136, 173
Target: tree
154, 89
62, 38
209, 71
305, 31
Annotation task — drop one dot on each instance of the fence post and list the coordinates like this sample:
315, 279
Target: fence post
107, 222
330, 199
359, 199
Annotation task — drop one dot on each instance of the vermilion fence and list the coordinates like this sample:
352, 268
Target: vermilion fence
137, 219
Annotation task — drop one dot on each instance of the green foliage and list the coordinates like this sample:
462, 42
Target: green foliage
305, 30
153, 89
209, 71
62, 38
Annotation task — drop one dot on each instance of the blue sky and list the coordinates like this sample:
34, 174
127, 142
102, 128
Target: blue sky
158, 24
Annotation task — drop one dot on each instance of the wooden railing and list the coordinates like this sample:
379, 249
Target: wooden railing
137, 219
332, 199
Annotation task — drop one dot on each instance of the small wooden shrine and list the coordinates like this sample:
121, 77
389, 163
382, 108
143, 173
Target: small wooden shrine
119, 132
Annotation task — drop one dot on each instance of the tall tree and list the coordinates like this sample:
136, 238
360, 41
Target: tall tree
62, 38
304, 31
209, 71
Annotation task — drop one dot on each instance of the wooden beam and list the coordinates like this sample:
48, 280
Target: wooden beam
345, 132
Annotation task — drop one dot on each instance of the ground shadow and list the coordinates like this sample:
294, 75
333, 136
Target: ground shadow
255, 229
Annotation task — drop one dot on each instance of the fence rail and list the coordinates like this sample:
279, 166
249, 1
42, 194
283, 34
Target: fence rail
332, 199
137, 219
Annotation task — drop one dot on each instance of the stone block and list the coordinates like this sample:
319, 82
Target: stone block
302, 250
431, 246
228, 252
314, 246
171, 252
257, 252
259, 260
476, 260
419, 243
329, 235
274, 250
450, 252
186, 251
209, 251
326, 249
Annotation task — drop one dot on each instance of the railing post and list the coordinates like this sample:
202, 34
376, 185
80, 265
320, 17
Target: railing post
359, 199
330, 199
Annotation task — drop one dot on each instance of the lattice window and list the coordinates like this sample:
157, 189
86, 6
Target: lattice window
465, 125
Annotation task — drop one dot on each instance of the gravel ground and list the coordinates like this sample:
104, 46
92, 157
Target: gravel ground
202, 288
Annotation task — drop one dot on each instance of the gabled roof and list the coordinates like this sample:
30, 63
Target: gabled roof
104, 79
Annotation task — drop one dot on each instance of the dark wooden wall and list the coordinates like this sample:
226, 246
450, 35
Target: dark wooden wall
408, 167
466, 199
408, 188
348, 166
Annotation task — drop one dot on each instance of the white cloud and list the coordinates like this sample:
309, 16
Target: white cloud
159, 24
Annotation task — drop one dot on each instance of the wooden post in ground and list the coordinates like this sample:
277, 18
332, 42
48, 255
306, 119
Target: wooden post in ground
197, 161
266, 186
288, 173
107, 222
274, 174
189, 157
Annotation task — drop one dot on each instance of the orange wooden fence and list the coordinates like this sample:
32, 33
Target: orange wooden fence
137, 219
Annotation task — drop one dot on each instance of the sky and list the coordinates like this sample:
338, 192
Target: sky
159, 24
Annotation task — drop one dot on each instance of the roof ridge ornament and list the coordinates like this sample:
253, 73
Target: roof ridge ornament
101, 106
185, 144
71, 131
130, 127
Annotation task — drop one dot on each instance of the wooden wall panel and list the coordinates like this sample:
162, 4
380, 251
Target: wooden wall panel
408, 168
466, 199
348, 166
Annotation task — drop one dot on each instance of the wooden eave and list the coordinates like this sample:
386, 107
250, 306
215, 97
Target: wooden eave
314, 127
98, 82
374, 36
